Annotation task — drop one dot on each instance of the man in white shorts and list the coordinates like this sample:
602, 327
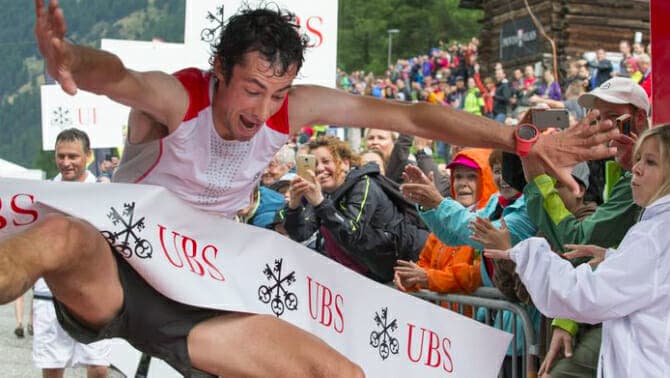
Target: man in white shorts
53, 348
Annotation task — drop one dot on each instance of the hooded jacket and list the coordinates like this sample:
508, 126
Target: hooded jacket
449, 269
364, 230
453, 268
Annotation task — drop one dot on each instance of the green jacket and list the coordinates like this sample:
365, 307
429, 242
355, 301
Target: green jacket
606, 227
473, 102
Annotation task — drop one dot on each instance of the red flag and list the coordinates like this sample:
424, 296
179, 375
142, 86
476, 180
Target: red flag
660, 53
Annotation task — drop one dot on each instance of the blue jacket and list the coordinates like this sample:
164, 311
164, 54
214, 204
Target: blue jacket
450, 221
268, 204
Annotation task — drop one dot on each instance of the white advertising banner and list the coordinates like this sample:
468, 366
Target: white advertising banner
207, 261
103, 120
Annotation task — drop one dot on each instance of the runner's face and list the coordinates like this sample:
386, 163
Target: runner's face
330, 174
251, 97
71, 160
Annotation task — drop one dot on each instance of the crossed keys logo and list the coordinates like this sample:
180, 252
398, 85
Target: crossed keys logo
383, 340
120, 240
282, 298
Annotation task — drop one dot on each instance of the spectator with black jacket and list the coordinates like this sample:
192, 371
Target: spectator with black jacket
502, 96
362, 228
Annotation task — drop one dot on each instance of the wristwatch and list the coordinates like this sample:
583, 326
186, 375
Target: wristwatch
526, 135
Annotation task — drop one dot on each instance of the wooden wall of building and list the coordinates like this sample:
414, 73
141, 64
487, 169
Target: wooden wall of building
575, 25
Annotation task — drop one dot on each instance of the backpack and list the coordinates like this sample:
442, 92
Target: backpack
392, 191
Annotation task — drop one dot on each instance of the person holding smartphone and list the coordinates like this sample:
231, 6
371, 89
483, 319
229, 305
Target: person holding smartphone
359, 226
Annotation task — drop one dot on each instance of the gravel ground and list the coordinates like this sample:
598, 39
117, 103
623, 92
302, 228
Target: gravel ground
15, 353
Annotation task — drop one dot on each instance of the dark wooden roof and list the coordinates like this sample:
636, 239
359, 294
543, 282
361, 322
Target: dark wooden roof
575, 25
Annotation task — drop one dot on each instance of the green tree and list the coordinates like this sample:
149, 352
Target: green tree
363, 25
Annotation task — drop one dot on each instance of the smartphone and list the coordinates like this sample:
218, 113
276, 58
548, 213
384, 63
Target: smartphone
623, 124
304, 163
546, 118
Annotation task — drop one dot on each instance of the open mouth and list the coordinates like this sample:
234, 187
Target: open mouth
247, 123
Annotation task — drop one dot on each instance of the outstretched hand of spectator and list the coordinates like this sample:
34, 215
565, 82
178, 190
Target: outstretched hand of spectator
561, 340
499, 254
50, 29
419, 188
484, 232
576, 251
559, 152
408, 275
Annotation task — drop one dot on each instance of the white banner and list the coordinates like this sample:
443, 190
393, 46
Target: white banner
103, 120
221, 264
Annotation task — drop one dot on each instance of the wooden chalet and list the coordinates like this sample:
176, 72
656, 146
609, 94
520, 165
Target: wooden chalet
509, 35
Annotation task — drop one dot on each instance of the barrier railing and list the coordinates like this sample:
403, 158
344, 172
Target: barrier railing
490, 299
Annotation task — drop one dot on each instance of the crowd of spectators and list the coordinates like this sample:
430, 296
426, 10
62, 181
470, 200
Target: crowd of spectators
452, 76
477, 199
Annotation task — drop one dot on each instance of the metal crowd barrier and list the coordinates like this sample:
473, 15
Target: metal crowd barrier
491, 300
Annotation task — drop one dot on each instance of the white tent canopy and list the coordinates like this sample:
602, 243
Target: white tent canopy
11, 170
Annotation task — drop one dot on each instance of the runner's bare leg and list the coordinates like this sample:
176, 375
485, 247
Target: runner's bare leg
74, 259
252, 345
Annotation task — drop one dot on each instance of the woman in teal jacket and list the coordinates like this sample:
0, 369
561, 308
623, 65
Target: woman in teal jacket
451, 222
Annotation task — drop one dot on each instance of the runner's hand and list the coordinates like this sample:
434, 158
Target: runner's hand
50, 29
559, 152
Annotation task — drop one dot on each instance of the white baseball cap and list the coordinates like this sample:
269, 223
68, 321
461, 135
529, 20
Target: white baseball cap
617, 90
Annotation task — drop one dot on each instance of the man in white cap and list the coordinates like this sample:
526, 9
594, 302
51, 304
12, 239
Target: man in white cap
605, 227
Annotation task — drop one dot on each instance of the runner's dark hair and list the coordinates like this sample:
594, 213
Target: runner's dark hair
270, 30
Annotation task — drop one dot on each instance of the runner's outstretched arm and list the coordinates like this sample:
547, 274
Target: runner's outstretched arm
558, 152
79, 67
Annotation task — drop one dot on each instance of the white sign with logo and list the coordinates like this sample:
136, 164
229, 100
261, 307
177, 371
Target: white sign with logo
221, 264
